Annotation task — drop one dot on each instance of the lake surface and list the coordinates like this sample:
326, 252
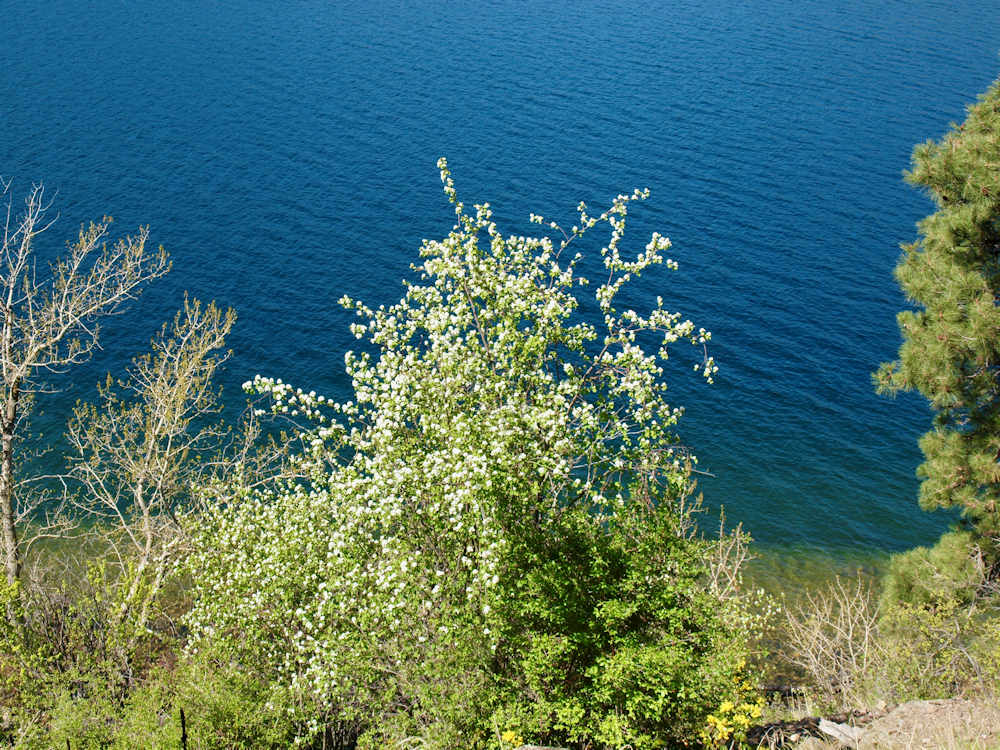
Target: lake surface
284, 153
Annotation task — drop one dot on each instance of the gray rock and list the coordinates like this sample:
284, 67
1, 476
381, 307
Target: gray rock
843, 733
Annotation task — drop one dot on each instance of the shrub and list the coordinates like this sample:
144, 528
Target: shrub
941, 620
492, 540
939, 650
225, 709
833, 638
951, 570
72, 665
610, 635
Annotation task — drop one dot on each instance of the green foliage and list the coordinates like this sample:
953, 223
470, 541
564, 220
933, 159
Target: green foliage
69, 666
75, 671
938, 650
491, 540
950, 570
951, 346
225, 709
610, 634
939, 621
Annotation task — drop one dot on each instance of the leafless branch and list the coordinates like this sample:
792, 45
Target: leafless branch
48, 323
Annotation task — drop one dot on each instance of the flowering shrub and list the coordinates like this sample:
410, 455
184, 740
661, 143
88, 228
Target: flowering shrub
727, 726
491, 538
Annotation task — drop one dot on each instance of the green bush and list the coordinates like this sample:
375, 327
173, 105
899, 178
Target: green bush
610, 634
70, 666
939, 650
226, 708
950, 570
940, 620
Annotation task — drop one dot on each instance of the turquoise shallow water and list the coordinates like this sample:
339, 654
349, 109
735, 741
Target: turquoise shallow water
284, 153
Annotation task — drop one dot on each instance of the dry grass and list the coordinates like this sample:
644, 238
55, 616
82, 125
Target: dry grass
954, 724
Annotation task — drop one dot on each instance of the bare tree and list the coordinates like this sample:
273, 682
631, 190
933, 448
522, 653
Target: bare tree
50, 322
156, 443
153, 440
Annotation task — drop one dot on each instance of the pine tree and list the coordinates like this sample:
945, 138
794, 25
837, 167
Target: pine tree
951, 342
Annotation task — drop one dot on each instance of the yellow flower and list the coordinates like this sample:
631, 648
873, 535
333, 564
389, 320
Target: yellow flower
511, 737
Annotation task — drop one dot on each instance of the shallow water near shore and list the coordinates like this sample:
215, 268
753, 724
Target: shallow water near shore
790, 573
284, 154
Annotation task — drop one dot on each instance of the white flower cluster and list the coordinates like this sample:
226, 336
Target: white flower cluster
490, 404
285, 399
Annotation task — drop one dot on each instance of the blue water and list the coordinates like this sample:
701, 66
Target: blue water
284, 154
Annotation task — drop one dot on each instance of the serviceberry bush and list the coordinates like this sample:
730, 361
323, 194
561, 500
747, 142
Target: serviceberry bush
494, 536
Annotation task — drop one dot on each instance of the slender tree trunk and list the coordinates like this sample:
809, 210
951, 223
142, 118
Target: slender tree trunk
135, 586
12, 556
